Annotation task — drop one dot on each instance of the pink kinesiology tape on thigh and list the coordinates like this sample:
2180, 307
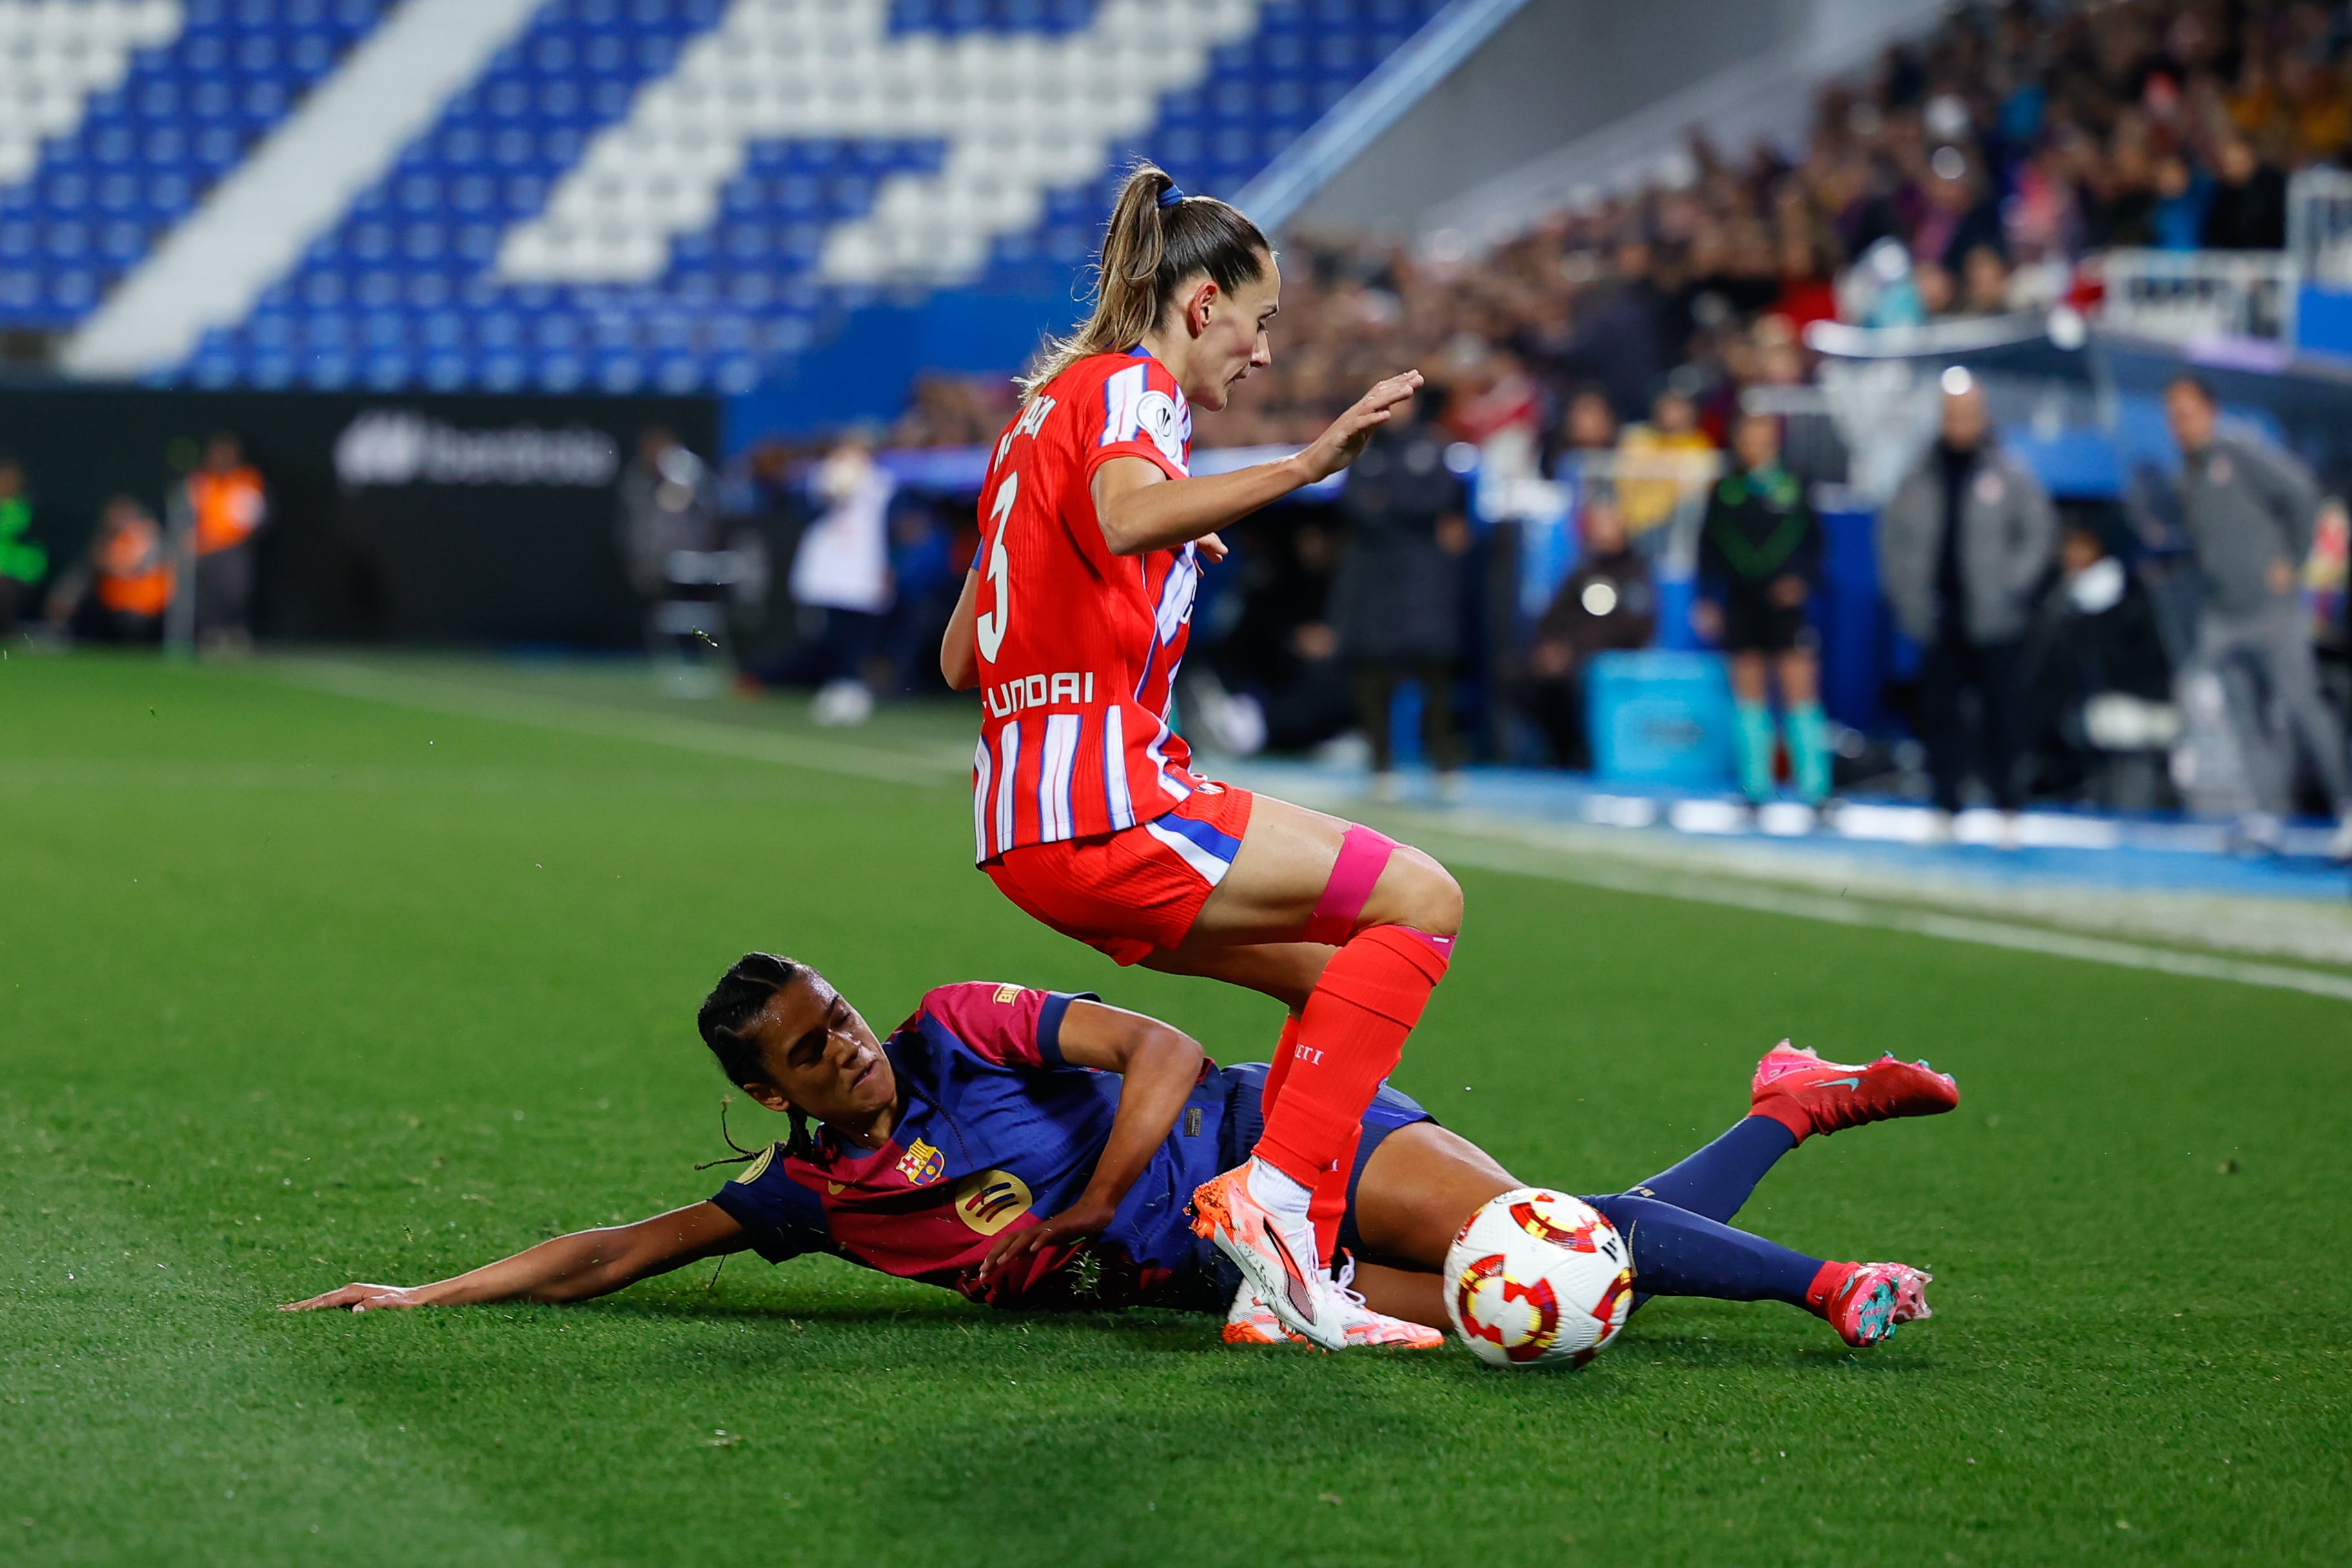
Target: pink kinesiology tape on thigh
1363, 855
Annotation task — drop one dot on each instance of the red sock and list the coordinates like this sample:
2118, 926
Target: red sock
1349, 1038
1825, 1285
1279, 1068
1329, 1204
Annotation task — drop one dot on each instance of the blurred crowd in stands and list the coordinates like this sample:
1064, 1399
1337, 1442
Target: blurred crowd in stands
1616, 348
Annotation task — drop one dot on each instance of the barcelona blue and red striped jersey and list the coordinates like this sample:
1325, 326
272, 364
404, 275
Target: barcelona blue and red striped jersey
1078, 648
997, 1133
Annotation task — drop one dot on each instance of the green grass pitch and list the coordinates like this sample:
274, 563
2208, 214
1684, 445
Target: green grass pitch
297, 988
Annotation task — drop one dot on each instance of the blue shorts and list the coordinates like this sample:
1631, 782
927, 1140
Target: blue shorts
1213, 1279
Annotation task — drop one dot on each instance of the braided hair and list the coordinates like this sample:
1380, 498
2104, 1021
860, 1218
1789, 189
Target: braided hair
741, 996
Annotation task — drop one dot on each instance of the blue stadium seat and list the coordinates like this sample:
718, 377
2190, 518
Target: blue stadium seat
406, 289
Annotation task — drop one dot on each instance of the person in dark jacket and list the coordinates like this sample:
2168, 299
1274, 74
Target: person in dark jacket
1396, 597
1965, 547
1759, 550
1607, 601
2248, 209
2094, 676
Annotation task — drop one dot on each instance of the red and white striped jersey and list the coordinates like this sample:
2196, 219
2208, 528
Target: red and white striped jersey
1078, 648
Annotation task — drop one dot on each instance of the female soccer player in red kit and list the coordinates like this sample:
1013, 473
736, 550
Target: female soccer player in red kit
1085, 810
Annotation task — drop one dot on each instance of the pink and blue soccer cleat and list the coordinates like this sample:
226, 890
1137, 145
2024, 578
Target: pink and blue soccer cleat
1866, 1301
1809, 1096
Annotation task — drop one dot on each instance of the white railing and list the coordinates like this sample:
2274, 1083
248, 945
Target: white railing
2188, 296
2319, 227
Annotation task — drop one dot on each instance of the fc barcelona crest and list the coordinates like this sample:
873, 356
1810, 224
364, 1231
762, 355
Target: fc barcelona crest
922, 1164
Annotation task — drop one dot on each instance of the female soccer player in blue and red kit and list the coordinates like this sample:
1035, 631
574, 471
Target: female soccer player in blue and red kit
1036, 1149
1086, 812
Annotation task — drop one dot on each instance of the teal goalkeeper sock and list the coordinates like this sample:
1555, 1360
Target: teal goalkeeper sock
1809, 752
1756, 743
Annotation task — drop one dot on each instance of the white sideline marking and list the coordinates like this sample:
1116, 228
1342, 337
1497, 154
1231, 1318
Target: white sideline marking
574, 717
1915, 923
430, 695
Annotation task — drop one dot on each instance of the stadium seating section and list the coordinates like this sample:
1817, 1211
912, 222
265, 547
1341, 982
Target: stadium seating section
640, 195
116, 116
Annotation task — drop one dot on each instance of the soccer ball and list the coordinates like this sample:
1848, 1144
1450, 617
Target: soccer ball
1538, 1278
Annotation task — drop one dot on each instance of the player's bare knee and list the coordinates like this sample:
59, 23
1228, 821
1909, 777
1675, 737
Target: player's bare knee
1415, 890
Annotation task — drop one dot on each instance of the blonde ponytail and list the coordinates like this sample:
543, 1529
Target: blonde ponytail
1156, 238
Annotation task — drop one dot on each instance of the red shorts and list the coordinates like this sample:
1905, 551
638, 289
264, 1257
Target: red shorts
1136, 891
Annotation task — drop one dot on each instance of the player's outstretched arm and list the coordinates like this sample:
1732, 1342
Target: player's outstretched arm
1140, 509
569, 1269
1159, 1066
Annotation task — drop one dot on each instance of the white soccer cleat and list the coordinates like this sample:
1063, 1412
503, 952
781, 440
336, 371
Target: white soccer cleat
1252, 1322
1278, 1258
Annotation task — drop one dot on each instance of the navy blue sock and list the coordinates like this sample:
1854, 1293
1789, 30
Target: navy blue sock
1678, 1253
1716, 1181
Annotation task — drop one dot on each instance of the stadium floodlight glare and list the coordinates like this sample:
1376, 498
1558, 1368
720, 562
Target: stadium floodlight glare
1957, 381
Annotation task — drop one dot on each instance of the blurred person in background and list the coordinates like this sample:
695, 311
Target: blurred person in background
1607, 602
924, 584
226, 507
1964, 548
841, 580
668, 503
1396, 597
121, 587
1759, 550
1806, 295
1984, 282
23, 562
1620, 341
1282, 649
2250, 511
1588, 426
1960, 214
2183, 192
2248, 210
1660, 462
2094, 678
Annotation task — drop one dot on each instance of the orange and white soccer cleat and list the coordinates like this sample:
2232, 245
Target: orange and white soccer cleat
1252, 1322
1277, 1258
1866, 1302
1365, 1327
1809, 1096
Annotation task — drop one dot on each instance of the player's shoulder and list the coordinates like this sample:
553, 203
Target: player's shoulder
1090, 386
973, 1000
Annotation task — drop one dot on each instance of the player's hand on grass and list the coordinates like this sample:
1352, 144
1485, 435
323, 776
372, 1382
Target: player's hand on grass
1340, 445
360, 1297
1080, 1220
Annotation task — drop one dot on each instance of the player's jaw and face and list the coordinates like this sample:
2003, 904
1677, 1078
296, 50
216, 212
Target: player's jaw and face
1233, 342
821, 1057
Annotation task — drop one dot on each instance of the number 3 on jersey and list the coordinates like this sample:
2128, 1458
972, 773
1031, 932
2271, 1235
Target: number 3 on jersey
990, 626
